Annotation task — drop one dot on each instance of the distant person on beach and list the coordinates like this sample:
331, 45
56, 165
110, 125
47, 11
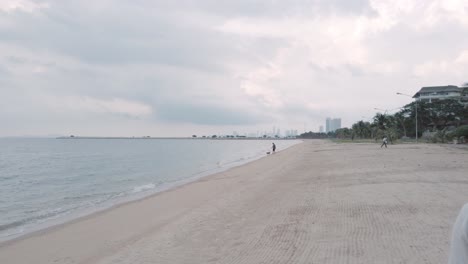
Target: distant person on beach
273, 147
459, 244
384, 142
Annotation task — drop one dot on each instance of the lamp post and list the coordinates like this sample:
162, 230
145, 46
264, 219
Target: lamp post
365, 118
416, 112
387, 110
382, 110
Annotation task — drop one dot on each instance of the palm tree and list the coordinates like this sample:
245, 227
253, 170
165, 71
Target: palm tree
362, 129
400, 118
386, 125
344, 133
357, 129
381, 121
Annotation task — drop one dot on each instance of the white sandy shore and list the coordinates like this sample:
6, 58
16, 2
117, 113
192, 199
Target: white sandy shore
317, 202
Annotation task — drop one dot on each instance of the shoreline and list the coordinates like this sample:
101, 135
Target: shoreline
315, 202
183, 138
111, 205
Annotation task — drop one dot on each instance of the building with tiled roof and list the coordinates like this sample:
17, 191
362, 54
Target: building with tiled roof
432, 93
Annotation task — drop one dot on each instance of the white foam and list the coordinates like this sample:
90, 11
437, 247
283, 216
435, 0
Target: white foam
143, 188
88, 203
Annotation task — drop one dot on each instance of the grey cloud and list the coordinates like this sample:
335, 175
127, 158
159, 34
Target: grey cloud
6, 81
147, 33
405, 44
344, 7
168, 55
300, 112
344, 69
123, 36
355, 70
268, 8
15, 59
3, 71
324, 69
207, 115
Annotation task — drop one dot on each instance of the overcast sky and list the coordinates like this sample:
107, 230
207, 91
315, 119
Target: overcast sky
177, 68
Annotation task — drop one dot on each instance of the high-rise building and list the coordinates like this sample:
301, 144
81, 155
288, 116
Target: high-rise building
336, 123
332, 124
328, 125
321, 129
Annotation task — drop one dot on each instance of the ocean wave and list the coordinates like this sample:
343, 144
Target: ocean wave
33, 198
34, 219
84, 196
143, 188
9, 177
12, 225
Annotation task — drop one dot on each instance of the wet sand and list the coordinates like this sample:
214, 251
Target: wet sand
316, 202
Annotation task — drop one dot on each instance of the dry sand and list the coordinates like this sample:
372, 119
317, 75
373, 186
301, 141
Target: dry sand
317, 202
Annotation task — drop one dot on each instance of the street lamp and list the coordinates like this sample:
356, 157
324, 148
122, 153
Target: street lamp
382, 110
415, 110
366, 118
387, 110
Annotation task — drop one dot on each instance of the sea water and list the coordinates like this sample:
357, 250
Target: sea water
49, 181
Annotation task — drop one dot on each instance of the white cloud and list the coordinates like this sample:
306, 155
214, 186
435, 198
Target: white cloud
448, 10
455, 66
293, 61
22, 5
462, 58
91, 105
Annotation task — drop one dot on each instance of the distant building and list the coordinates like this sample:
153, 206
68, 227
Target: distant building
291, 133
332, 124
252, 135
434, 93
321, 129
336, 124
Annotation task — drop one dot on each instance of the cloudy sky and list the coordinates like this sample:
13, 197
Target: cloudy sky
177, 68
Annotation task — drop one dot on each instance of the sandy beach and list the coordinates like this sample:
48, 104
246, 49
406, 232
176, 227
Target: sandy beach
316, 202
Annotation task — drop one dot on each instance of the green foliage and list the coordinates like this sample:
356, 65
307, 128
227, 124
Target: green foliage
344, 133
439, 136
313, 135
381, 121
440, 113
362, 129
436, 116
462, 131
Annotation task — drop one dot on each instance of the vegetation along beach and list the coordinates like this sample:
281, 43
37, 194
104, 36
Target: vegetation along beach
316, 202
234, 132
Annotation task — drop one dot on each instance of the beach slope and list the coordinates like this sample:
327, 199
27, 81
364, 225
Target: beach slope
316, 202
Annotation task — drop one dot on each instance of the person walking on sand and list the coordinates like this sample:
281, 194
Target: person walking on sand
273, 147
459, 244
384, 142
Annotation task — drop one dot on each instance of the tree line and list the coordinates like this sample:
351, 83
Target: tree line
441, 116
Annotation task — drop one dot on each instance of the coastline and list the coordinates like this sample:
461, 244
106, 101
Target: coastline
72, 217
183, 138
313, 202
